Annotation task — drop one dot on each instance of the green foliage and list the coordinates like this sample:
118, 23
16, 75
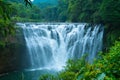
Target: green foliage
68, 75
49, 14
6, 30
26, 14
112, 61
83, 10
4, 10
111, 34
110, 15
110, 12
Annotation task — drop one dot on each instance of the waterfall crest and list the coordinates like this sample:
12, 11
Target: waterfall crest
51, 45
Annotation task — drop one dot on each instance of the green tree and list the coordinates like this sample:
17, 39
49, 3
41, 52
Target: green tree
110, 15
110, 12
62, 10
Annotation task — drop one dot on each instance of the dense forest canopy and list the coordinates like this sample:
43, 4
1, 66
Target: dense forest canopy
95, 11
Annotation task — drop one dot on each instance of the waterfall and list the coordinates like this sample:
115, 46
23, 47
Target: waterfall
50, 45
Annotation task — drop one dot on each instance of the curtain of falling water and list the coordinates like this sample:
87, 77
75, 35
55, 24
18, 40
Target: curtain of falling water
51, 45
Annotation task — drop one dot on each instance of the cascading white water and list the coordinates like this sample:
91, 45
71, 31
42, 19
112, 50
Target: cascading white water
51, 45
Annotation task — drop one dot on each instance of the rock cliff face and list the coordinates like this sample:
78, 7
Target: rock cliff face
13, 55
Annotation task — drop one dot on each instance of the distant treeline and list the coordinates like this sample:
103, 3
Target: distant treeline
95, 11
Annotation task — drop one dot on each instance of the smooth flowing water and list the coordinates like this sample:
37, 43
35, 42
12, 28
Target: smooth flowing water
50, 45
